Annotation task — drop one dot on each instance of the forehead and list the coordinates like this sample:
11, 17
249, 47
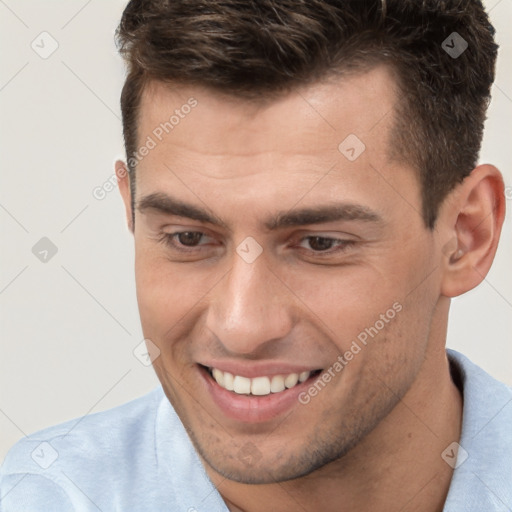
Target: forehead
235, 156
307, 117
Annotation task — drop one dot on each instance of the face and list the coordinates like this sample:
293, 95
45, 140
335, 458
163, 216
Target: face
283, 270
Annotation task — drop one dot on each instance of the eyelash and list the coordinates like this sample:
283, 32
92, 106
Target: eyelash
343, 246
169, 240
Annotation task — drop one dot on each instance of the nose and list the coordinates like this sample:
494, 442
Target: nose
250, 308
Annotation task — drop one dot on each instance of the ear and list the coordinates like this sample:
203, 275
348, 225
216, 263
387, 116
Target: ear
476, 216
123, 180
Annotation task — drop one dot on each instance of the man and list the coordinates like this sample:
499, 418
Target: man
303, 190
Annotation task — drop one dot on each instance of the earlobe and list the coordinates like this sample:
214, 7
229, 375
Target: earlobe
123, 180
477, 219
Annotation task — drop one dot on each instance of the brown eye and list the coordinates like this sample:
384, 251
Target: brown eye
320, 243
189, 238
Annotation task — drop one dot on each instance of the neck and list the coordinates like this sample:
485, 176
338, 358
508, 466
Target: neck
398, 466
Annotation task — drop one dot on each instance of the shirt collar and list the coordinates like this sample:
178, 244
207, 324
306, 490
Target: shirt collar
482, 479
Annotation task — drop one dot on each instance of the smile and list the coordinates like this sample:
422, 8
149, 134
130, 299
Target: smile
259, 394
258, 386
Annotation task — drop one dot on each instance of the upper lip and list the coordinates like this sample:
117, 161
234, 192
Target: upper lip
257, 369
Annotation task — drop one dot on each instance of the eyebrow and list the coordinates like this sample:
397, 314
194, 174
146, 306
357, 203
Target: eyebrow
171, 206
323, 214
316, 215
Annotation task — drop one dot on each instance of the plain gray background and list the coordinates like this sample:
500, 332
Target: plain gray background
69, 325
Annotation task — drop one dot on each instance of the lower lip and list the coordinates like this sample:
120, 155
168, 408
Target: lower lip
250, 408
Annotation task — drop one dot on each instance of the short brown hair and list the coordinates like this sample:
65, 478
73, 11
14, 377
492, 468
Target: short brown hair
258, 49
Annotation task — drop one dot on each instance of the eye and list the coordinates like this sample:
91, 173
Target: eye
185, 240
320, 243
189, 238
324, 244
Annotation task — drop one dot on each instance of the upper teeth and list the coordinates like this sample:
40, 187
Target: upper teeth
257, 385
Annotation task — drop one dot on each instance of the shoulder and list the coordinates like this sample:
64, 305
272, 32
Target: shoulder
98, 433
484, 396
473, 378
485, 444
98, 445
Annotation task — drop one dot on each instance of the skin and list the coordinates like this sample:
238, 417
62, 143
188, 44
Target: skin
372, 438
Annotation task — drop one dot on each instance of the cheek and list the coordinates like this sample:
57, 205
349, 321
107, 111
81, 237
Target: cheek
391, 299
168, 304
344, 300
169, 295
161, 294
394, 331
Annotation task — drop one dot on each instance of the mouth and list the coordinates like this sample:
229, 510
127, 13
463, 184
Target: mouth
261, 385
256, 399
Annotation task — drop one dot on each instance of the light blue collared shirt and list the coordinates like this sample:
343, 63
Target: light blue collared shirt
138, 457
